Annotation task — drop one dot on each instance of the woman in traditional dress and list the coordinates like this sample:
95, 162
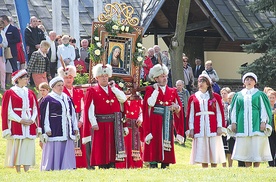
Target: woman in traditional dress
19, 124
206, 119
59, 127
251, 123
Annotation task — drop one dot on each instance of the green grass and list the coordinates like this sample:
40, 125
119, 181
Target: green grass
181, 171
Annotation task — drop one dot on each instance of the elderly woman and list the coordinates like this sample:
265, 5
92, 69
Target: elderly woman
209, 70
39, 65
251, 122
3, 43
206, 119
66, 52
59, 127
19, 126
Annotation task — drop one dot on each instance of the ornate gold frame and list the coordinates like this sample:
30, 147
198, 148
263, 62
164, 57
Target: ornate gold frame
119, 10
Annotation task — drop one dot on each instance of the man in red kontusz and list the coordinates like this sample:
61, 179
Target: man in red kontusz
158, 123
102, 113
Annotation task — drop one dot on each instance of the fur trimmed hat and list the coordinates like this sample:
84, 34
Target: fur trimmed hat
55, 80
69, 70
206, 76
17, 74
158, 70
251, 75
101, 69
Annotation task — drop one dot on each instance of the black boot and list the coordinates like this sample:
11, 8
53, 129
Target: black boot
153, 165
164, 165
105, 166
111, 165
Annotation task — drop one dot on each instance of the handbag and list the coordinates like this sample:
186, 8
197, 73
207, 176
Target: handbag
7, 53
216, 88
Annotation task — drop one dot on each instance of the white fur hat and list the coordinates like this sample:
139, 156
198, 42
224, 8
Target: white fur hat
249, 74
206, 76
55, 80
17, 74
158, 70
69, 70
99, 70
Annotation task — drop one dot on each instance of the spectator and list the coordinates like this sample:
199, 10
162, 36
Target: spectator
231, 140
84, 54
59, 124
188, 75
160, 57
251, 123
213, 75
72, 42
52, 53
38, 65
66, 52
272, 138
33, 37
58, 40
20, 49
168, 64
197, 70
148, 63
184, 96
3, 44
43, 89
13, 37
224, 95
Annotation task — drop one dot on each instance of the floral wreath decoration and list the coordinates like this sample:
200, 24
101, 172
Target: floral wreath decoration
96, 48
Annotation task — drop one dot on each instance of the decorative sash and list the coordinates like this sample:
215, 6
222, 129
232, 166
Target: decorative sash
118, 132
131, 123
166, 124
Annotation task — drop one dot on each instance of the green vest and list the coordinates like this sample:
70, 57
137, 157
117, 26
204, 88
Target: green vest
248, 117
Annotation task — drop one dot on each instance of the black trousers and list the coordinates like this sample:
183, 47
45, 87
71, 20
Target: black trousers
272, 143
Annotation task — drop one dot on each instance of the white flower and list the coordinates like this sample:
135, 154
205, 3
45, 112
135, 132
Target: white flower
121, 84
122, 28
98, 44
127, 29
139, 45
140, 50
139, 58
115, 27
96, 38
97, 52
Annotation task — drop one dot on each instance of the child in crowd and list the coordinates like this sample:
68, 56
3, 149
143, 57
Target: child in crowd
224, 95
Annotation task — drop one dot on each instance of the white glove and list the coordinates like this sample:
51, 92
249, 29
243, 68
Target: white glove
148, 138
44, 138
126, 131
179, 139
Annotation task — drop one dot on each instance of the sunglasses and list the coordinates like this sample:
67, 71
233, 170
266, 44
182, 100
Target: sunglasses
185, 61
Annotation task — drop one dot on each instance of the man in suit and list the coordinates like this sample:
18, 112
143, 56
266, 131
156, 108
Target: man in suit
52, 53
197, 70
13, 37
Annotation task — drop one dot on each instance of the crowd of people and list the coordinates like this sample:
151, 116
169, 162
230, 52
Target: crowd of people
105, 127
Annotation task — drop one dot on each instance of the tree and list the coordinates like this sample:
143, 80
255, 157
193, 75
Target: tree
177, 41
265, 66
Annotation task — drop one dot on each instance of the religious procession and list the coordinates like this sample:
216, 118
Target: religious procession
129, 114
